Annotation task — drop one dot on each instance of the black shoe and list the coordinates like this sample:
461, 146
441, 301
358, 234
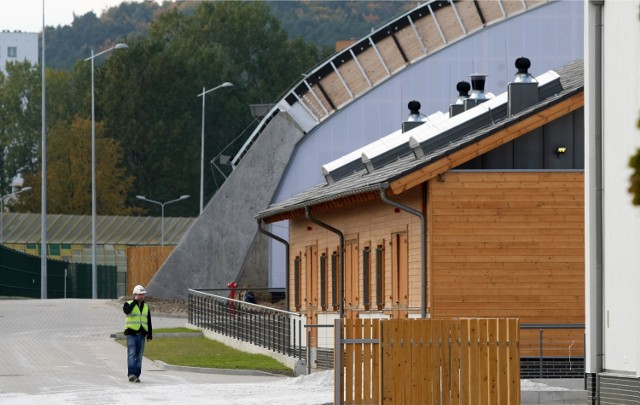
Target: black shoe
137, 379
132, 378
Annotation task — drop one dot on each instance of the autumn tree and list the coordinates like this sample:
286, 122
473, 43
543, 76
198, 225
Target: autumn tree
148, 94
69, 173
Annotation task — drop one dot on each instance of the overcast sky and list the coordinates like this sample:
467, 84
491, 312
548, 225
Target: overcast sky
26, 15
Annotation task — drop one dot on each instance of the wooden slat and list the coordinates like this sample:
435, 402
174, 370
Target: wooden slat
390, 54
493, 360
417, 371
514, 361
359, 362
469, 15
368, 363
454, 328
465, 363
377, 366
474, 362
352, 75
429, 33
410, 43
490, 10
484, 363
143, 262
349, 363
372, 65
449, 24
503, 372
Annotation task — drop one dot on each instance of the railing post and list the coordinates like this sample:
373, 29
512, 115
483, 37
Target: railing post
541, 352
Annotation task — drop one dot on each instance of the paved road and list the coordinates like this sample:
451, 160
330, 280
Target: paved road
50, 347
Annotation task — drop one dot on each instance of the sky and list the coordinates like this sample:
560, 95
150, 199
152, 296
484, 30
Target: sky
26, 15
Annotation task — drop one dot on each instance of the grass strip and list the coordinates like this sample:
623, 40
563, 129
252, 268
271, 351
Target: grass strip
203, 352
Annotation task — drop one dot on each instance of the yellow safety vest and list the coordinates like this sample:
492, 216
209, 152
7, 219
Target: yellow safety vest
136, 319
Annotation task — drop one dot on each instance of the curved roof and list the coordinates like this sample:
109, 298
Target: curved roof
384, 53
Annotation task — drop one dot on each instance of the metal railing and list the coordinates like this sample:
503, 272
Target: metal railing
559, 353
273, 329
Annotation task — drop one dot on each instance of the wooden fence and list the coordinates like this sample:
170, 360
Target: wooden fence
424, 361
143, 262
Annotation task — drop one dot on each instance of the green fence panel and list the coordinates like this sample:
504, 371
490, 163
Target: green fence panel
20, 277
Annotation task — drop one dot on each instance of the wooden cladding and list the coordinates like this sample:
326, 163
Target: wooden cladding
508, 245
426, 29
143, 263
424, 361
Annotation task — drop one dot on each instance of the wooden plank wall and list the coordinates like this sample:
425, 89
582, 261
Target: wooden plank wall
423, 361
510, 245
368, 224
453, 21
143, 262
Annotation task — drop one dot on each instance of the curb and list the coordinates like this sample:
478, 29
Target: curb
205, 370
162, 335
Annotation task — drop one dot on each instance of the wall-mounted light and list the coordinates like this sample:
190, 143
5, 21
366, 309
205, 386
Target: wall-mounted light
561, 150
309, 228
396, 210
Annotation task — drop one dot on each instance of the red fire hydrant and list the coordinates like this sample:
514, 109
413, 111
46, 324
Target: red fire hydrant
232, 293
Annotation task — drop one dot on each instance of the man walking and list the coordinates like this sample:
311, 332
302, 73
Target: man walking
137, 330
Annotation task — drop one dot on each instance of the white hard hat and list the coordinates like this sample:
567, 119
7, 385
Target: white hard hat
139, 290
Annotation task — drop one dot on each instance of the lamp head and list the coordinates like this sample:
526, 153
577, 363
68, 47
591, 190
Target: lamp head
184, 197
121, 46
141, 197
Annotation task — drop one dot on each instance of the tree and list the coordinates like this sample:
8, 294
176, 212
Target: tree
69, 173
148, 94
20, 120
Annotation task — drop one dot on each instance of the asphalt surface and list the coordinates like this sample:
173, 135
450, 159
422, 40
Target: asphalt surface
57, 346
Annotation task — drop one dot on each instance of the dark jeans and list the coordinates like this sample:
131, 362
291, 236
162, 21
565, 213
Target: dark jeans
135, 350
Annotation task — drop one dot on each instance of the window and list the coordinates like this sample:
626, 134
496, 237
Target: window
366, 269
296, 282
335, 280
12, 52
380, 275
323, 281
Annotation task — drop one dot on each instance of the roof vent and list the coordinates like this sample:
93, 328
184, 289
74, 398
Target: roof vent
477, 96
415, 118
523, 91
463, 94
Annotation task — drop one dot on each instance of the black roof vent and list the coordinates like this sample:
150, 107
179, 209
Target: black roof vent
523, 91
463, 94
477, 96
415, 118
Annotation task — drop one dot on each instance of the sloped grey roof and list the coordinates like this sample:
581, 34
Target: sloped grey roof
76, 229
360, 182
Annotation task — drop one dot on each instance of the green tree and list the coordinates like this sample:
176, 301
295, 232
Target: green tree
69, 173
20, 120
148, 94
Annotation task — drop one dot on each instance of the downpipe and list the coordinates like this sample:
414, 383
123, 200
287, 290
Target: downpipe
286, 246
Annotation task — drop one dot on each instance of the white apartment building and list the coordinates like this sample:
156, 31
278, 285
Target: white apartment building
18, 46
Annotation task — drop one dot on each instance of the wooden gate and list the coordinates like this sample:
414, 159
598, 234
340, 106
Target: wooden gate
424, 361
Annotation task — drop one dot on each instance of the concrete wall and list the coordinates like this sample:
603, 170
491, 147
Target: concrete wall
222, 243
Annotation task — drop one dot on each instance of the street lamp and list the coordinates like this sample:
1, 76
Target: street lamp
204, 93
94, 266
2, 203
143, 198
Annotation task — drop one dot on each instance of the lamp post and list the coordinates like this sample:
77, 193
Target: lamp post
203, 94
94, 266
162, 204
2, 198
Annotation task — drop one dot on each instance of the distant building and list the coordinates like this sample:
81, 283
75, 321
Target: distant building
17, 47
